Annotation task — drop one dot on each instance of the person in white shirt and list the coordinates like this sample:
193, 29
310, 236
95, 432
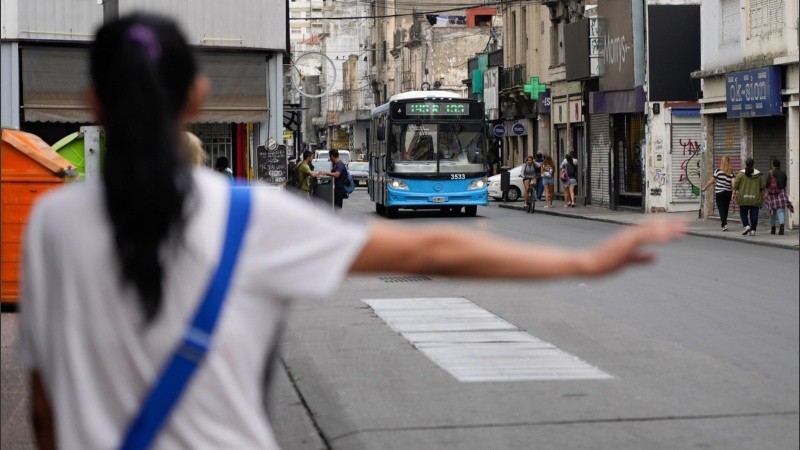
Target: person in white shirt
109, 288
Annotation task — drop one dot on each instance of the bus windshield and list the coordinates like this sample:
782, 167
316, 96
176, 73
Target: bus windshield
437, 148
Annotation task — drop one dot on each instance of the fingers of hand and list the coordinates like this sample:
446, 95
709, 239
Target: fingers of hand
657, 232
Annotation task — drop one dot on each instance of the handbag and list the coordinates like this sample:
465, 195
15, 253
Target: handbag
194, 345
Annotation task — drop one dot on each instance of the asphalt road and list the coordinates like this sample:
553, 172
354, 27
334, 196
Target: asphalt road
702, 347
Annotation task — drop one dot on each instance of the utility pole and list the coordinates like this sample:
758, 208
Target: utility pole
110, 10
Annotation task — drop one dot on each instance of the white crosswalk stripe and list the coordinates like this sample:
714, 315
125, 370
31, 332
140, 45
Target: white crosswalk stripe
473, 344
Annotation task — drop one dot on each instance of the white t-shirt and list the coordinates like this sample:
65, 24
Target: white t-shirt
85, 334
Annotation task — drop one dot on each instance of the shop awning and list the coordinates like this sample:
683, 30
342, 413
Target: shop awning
238, 87
54, 82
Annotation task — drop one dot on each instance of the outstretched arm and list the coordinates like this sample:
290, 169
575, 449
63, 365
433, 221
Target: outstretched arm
440, 251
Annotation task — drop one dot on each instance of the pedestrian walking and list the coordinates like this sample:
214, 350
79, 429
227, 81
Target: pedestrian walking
777, 200
339, 173
748, 190
548, 180
723, 189
196, 271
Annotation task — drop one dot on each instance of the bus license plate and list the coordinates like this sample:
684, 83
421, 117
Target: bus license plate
439, 199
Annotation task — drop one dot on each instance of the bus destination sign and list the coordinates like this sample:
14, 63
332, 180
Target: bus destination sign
437, 109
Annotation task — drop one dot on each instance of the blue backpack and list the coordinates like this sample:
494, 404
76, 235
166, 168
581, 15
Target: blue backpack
349, 184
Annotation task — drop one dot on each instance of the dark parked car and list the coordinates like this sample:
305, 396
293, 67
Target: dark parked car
360, 171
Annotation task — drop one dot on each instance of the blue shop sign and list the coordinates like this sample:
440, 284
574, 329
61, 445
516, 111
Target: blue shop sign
499, 130
544, 103
518, 129
754, 93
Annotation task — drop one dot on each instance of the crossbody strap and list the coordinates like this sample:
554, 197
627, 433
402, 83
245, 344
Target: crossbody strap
195, 343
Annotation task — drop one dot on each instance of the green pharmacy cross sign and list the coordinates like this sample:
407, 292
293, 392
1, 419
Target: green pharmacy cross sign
534, 88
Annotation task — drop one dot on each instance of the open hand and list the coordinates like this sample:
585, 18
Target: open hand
628, 246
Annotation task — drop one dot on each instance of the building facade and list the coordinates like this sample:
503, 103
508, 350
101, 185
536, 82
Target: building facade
525, 97
750, 88
45, 68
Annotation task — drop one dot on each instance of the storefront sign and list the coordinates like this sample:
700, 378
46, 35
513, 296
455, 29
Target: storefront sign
271, 165
753, 93
575, 110
544, 103
617, 44
491, 93
518, 129
499, 130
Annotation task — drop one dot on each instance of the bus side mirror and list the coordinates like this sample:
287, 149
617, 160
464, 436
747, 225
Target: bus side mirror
380, 133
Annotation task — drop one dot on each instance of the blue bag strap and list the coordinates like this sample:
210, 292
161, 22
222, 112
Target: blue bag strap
195, 343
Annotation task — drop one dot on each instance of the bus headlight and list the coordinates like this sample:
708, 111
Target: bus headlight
398, 184
478, 184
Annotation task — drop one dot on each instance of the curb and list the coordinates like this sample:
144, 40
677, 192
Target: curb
730, 237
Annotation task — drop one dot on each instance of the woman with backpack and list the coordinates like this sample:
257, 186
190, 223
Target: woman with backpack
777, 200
748, 190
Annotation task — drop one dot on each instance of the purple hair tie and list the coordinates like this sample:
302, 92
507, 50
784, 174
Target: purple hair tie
145, 37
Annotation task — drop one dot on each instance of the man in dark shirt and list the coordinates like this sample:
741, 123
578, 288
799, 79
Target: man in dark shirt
339, 173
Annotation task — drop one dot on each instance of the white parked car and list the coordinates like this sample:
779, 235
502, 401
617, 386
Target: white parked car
343, 154
360, 171
515, 189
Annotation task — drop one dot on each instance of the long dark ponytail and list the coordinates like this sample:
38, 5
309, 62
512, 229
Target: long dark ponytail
748, 167
142, 70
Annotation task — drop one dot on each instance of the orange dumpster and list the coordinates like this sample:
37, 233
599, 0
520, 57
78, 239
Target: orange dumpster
28, 168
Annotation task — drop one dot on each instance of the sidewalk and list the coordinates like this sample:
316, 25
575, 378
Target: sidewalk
697, 227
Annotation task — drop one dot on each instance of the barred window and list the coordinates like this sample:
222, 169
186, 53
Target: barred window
766, 17
731, 21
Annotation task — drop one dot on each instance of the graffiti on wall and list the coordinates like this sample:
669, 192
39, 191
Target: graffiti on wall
688, 185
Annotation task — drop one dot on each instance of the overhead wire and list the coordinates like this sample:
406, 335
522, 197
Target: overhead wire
421, 13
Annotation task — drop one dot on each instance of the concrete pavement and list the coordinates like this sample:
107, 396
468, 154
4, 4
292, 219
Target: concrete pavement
705, 227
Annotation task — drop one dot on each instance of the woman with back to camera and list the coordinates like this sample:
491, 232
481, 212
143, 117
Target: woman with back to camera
98, 347
571, 167
748, 190
723, 189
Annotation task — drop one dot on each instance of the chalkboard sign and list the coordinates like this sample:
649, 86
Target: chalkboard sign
271, 164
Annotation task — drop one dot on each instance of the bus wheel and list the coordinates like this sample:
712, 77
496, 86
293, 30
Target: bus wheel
470, 210
455, 210
391, 212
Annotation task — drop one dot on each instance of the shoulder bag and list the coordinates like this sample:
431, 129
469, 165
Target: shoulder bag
194, 345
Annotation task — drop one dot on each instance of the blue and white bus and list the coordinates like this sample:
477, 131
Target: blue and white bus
428, 151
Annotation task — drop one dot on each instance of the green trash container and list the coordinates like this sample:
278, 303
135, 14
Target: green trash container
73, 148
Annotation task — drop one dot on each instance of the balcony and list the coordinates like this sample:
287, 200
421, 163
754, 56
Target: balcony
513, 77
